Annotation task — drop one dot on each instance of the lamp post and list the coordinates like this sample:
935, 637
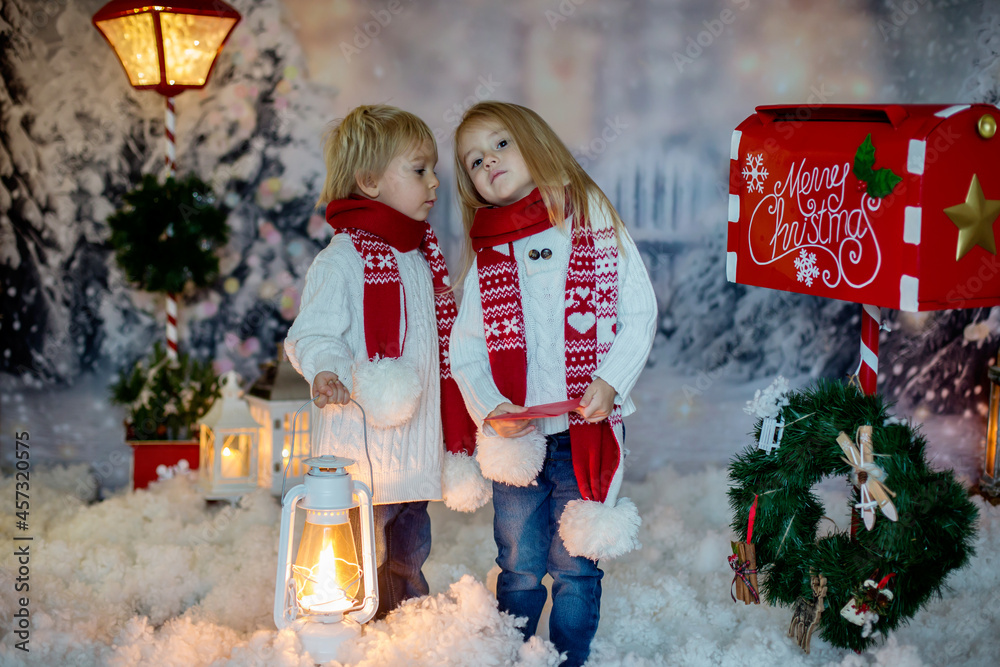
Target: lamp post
167, 48
328, 592
989, 484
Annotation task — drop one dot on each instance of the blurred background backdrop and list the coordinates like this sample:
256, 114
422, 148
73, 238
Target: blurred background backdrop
645, 93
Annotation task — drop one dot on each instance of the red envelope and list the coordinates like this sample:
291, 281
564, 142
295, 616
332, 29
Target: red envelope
536, 411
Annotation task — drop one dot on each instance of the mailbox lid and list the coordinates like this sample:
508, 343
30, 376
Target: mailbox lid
918, 119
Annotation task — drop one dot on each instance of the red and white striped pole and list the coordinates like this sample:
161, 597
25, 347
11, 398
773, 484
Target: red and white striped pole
171, 156
871, 323
171, 326
171, 160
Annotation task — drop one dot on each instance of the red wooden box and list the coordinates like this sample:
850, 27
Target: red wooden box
801, 220
148, 455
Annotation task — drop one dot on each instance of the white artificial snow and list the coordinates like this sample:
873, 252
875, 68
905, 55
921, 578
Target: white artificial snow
160, 577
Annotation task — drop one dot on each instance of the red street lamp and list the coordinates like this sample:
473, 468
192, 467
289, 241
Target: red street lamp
167, 48
170, 47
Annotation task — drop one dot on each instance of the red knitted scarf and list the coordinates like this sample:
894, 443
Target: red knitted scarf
375, 229
591, 306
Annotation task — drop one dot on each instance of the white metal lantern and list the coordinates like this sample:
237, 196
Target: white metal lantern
228, 467
274, 399
329, 590
990, 482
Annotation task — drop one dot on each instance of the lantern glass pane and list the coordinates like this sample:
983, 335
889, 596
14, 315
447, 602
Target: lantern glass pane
207, 449
326, 571
990, 467
236, 456
190, 44
134, 41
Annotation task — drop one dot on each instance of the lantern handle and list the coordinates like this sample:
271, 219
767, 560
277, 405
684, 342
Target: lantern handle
364, 423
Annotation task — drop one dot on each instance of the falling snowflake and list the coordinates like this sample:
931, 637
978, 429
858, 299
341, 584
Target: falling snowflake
755, 173
805, 263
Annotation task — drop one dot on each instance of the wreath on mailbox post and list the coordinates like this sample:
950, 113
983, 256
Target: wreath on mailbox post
884, 574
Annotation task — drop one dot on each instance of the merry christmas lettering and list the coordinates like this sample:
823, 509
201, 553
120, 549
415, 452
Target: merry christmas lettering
807, 211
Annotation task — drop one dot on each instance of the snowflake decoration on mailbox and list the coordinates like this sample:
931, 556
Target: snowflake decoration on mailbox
890, 205
754, 172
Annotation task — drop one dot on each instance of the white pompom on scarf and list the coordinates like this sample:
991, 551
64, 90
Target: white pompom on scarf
597, 530
514, 461
462, 483
388, 390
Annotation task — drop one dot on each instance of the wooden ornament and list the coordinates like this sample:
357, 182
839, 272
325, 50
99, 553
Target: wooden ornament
744, 564
806, 613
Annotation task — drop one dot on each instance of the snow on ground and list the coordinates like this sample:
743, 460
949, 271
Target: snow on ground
159, 577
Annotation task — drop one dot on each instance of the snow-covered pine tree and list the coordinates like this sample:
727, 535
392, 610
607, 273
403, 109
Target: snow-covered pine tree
68, 141
75, 136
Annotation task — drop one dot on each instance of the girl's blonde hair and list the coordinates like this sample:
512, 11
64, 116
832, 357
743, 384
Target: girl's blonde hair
561, 180
365, 142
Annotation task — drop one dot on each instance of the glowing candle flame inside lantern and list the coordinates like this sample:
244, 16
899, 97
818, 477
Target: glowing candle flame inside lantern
231, 463
328, 596
989, 484
326, 569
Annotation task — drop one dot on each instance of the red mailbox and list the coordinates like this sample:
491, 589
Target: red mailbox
888, 205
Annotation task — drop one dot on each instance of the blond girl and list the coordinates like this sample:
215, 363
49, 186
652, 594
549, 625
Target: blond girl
557, 306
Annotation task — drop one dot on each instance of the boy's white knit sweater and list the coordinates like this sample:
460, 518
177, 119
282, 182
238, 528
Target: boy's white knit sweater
329, 335
543, 289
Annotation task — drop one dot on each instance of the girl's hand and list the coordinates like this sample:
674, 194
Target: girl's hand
598, 401
329, 389
510, 428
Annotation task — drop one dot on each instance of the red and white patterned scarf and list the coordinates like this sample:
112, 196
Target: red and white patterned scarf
591, 308
373, 228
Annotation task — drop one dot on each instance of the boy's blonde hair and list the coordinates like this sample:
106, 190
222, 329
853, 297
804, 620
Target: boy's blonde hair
364, 143
559, 177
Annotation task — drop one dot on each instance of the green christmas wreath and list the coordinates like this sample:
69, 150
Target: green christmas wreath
932, 535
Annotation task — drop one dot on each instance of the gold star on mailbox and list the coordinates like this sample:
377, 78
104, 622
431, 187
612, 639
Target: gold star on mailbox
974, 218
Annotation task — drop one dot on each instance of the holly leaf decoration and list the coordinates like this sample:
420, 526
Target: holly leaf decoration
879, 182
864, 160
883, 183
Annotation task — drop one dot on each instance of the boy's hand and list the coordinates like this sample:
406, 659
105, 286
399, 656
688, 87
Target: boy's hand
598, 401
510, 428
329, 389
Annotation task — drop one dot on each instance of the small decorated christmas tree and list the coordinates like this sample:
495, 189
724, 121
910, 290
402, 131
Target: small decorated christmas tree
165, 238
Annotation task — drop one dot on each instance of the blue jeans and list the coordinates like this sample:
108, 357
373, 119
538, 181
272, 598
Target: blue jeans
402, 544
525, 526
